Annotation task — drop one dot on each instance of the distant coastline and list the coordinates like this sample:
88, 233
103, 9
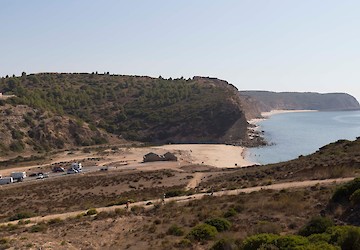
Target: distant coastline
266, 115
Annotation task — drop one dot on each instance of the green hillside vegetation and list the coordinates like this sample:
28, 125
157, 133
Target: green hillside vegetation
138, 108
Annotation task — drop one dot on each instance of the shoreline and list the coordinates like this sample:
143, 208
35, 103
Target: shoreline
255, 133
266, 115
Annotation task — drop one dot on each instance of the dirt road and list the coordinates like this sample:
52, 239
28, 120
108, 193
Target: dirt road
280, 186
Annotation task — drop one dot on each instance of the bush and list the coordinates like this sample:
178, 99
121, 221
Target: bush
55, 221
256, 241
120, 211
174, 193
220, 224
184, 243
343, 193
272, 241
355, 197
290, 241
316, 225
267, 227
230, 213
91, 211
21, 215
137, 209
224, 244
202, 232
347, 237
40, 227
17, 146
175, 230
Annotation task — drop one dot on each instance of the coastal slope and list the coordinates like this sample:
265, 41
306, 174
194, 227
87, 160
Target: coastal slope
267, 101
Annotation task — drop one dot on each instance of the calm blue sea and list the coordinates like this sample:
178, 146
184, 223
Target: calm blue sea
295, 134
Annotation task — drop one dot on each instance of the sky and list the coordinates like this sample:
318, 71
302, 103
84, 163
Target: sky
276, 45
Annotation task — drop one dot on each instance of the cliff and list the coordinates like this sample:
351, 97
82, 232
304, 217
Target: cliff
267, 101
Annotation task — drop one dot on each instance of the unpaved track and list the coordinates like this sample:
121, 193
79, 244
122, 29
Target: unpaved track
280, 186
195, 181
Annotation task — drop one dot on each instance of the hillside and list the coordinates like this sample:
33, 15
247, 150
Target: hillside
268, 101
25, 130
136, 108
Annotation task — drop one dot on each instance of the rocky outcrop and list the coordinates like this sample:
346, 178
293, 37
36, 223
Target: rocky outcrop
267, 101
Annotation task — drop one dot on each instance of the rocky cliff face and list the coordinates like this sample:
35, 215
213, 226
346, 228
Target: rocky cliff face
267, 101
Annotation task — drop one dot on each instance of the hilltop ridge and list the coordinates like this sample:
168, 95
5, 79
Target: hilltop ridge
267, 101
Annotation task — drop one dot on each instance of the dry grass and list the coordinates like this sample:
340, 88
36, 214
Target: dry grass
264, 211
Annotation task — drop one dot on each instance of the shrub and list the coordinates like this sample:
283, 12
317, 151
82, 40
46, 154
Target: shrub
175, 230
4, 241
120, 211
224, 244
17, 146
40, 227
55, 221
202, 232
91, 211
174, 193
347, 237
267, 227
290, 241
343, 193
230, 213
184, 243
355, 197
316, 225
256, 241
137, 209
220, 224
272, 241
21, 215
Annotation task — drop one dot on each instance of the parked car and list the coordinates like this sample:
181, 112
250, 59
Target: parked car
58, 169
42, 176
18, 176
72, 171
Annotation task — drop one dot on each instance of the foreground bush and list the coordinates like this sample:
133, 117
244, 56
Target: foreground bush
220, 224
175, 230
202, 232
343, 193
287, 242
316, 225
224, 244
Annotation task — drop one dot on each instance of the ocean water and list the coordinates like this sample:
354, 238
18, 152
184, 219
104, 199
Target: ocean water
295, 134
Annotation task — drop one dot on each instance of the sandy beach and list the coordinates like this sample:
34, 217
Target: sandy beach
217, 155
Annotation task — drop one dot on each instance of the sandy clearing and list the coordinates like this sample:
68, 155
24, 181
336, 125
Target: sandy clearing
217, 155
279, 186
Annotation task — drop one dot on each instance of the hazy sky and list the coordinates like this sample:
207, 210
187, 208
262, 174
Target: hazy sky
279, 45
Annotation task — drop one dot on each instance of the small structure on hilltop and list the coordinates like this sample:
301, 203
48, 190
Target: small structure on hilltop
151, 157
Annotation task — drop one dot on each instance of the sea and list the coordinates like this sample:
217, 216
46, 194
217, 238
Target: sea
293, 134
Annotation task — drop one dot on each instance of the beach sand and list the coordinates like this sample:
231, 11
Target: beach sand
217, 155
